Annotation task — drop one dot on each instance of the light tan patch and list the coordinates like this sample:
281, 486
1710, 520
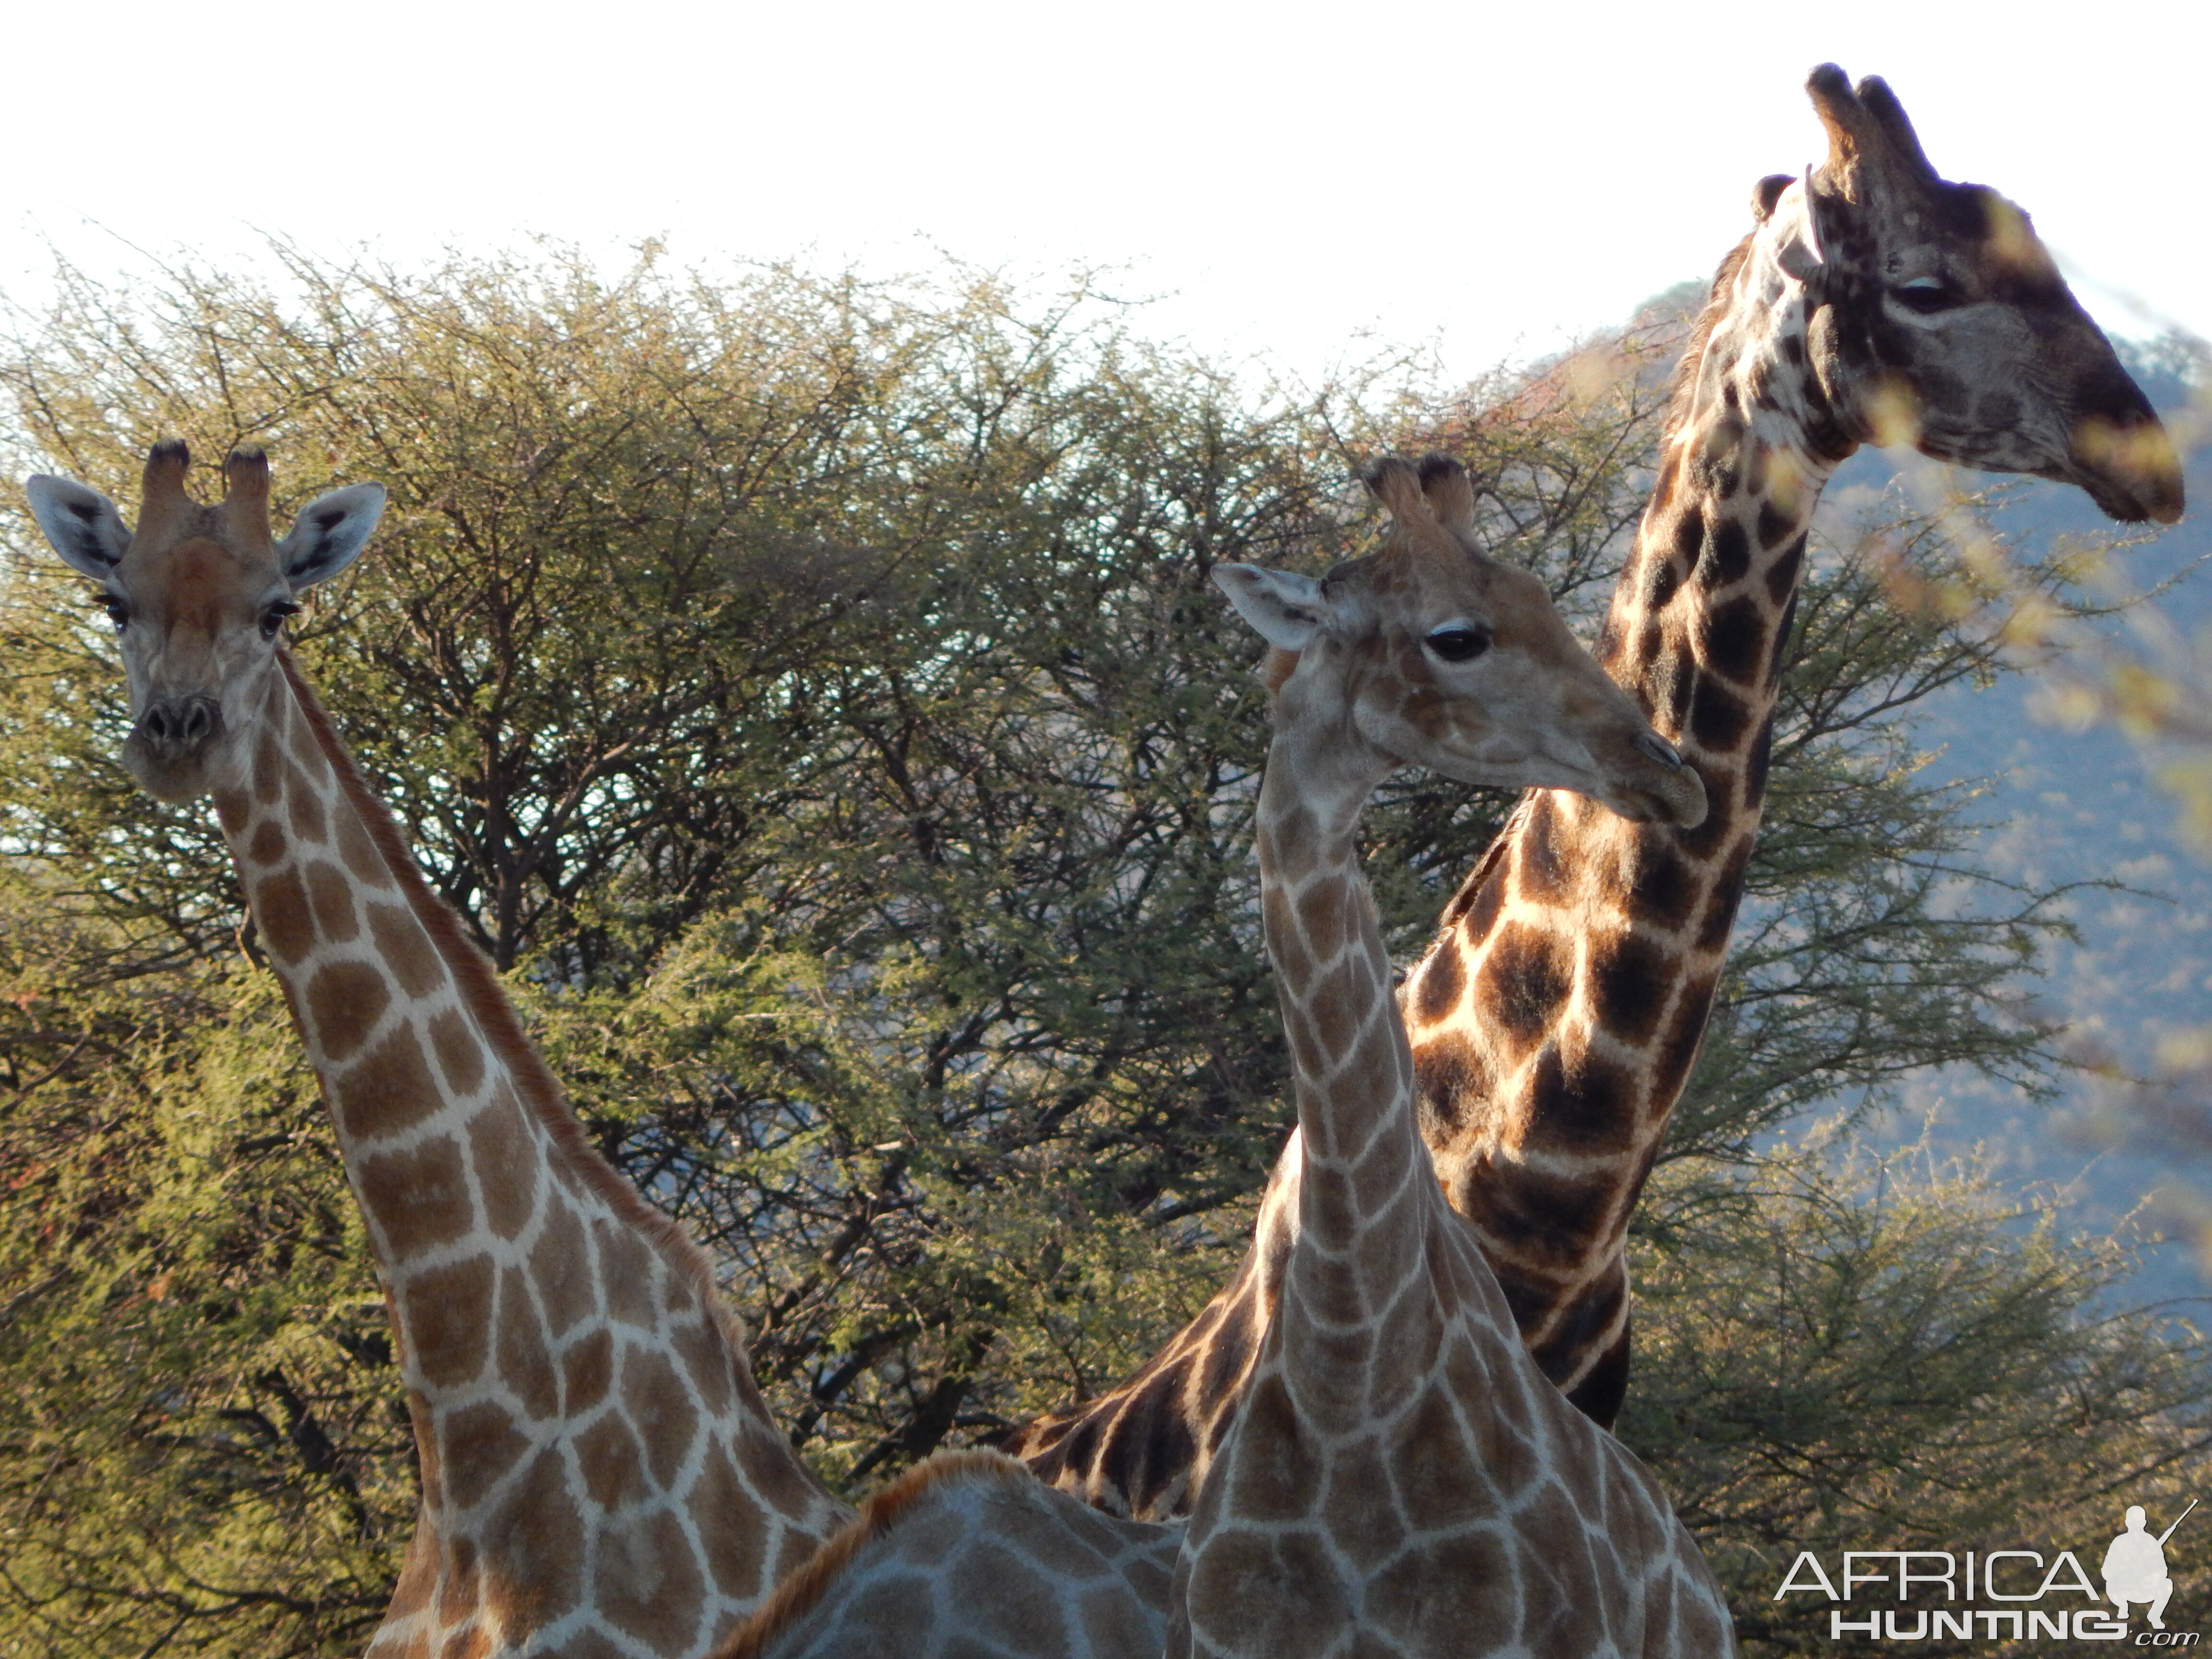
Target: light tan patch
459, 1051
420, 1198
533, 1547
387, 1090
614, 1471
330, 896
305, 807
344, 1001
448, 1312
507, 1169
587, 1370
523, 1364
481, 1444
561, 1268
280, 909
660, 1406
732, 1525
406, 950
659, 1606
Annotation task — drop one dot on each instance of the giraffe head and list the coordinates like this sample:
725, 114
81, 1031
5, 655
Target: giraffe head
198, 596
1429, 653
1935, 316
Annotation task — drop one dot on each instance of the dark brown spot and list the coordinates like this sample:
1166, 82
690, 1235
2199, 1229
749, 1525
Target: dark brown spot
1437, 982
1728, 555
387, 1090
344, 1001
1630, 978
1524, 978
736, 1537
1732, 640
269, 767
1678, 1051
706, 1354
1538, 1218
1579, 1101
1755, 765
279, 909
1782, 578
420, 1197
1775, 527
1727, 891
1452, 1080
1719, 718
1663, 887
268, 843
1539, 871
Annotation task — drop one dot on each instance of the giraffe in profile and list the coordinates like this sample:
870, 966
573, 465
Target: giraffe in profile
915, 1580
1401, 1479
1555, 1019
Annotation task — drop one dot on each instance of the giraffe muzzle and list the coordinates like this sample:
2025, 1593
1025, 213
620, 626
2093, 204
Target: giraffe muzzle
176, 730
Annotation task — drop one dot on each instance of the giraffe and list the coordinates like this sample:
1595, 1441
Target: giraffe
1554, 1019
599, 1475
926, 1569
1403, 1480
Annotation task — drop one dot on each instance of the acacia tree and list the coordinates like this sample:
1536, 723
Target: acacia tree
812, 696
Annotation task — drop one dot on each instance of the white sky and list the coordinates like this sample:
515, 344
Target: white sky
1488, 178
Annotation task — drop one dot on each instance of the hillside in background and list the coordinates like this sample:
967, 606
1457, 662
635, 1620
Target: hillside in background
2067, 805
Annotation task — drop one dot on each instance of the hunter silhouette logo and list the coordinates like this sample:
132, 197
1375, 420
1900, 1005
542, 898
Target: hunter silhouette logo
1999, 1595
2135, 1566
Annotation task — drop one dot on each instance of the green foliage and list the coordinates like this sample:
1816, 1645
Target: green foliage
811, 696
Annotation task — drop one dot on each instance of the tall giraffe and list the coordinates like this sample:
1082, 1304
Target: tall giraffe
1403, 1480
950, 1561
1554, 1020
598, 1473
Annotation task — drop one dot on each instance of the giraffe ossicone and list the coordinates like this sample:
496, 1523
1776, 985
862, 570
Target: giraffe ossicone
1403, 1480
1555, 1017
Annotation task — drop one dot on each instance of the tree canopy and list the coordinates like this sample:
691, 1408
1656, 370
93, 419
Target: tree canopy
810, 694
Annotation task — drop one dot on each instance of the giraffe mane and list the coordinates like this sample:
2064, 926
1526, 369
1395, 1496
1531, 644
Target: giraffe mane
487, 999
1717, 299
801, 1590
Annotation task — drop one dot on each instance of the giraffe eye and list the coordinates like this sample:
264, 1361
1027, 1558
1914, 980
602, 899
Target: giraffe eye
1458, 642
1926, 295
272, 619
118, 613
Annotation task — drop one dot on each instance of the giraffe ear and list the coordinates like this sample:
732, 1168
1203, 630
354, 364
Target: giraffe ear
1801, 255
82, 524
1285, 607
330, 534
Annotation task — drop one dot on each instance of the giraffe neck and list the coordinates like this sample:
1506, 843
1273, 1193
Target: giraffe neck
594, 1455
1400, 1478
1555, 1018
1366, 1198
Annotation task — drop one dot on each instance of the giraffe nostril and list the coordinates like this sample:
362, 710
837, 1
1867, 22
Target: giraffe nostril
180, 725
1659, 750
